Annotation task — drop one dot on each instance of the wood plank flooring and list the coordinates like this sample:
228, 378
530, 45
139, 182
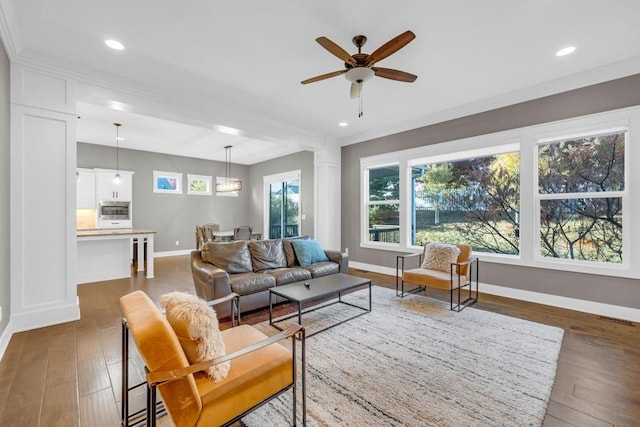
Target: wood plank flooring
69, 374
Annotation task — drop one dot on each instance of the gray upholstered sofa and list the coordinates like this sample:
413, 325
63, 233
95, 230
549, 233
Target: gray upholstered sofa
250, 268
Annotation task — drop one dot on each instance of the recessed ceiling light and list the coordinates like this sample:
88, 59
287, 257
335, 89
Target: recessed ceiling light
343, 124
566, 51
228, 130
114, 44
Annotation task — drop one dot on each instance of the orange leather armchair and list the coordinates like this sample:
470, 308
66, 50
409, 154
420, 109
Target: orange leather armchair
261, 369
460, 278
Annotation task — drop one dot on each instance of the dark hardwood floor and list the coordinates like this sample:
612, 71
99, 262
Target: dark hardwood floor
69, 374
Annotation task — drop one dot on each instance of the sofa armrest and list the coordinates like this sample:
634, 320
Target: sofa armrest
342, 258
210, 281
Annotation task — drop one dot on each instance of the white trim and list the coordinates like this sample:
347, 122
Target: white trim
592, 307
267, 180
206, 178
528, 138
170, 175
5, 338
173, 253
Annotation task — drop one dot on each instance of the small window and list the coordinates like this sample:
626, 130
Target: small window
383, 204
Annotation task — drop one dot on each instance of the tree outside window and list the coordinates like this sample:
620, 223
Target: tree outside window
474, 201
581, 192
384, 204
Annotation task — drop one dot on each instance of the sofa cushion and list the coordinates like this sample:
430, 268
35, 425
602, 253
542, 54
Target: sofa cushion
232, 257
196, 325
289, 253
320, 269
266, 254
440, 256
250, 283
308, 252
289, 275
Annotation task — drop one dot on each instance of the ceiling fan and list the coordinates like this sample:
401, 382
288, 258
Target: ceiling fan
359, 67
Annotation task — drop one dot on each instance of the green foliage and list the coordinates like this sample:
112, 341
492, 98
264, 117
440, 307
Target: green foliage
199, 186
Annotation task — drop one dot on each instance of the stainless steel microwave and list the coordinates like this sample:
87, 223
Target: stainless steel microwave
112, 210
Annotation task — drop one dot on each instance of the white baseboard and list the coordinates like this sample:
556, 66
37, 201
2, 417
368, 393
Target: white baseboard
38, 319
5, 338
172, 253
44, 317
608, 310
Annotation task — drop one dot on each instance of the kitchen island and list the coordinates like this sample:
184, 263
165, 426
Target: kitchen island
106, 254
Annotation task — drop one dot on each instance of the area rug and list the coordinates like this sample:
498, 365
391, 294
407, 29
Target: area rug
412, 362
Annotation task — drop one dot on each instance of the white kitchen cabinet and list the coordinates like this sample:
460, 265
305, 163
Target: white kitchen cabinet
107, 189
85, 189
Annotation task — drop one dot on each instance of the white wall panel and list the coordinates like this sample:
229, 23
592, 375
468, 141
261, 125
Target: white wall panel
43, 196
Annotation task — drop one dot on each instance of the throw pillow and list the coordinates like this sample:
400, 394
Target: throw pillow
196, 325
232, 257
308, 252
289, 253
440, 256
267, 254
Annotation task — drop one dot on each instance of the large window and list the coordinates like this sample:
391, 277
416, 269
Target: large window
559, 195
383, 204
474, 201
581, 190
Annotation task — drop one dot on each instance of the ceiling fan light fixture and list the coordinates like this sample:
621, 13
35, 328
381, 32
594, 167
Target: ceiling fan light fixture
359, 74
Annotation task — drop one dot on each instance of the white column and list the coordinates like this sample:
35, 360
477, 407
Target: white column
150, 255
327, 197
43, 196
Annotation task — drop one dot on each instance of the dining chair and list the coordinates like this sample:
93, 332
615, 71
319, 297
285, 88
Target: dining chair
242, 232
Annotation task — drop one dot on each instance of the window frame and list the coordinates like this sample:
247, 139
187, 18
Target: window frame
366, 203
528, 139
586, 131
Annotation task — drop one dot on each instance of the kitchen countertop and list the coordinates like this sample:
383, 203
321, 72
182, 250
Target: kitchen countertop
112, 232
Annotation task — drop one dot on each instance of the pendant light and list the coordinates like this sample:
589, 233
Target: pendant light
116, 179
229, 184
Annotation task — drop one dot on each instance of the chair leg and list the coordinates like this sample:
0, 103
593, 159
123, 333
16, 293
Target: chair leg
151, 406
124, 414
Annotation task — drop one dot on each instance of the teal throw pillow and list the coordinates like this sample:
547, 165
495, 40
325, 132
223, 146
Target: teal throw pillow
308, 252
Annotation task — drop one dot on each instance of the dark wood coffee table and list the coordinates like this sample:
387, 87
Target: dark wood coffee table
320, 288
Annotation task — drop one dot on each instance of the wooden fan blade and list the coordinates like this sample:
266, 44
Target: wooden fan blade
391, 74
390, 47
355, 90
323, 76
336, 50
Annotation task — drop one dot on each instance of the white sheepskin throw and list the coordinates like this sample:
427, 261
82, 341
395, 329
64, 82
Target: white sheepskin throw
440, 256
196, 325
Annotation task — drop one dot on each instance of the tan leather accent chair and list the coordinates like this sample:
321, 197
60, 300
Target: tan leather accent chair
261, 369
459, 280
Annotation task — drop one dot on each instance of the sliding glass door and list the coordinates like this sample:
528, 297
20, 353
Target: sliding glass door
282, 200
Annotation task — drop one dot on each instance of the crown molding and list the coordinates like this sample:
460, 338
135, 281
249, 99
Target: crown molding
9, 30
575, 81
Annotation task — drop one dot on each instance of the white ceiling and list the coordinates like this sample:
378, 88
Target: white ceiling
190, 66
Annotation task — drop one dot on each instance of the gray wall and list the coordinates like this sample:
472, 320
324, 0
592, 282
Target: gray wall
302, 161
5, 288
172, 216
607, 96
